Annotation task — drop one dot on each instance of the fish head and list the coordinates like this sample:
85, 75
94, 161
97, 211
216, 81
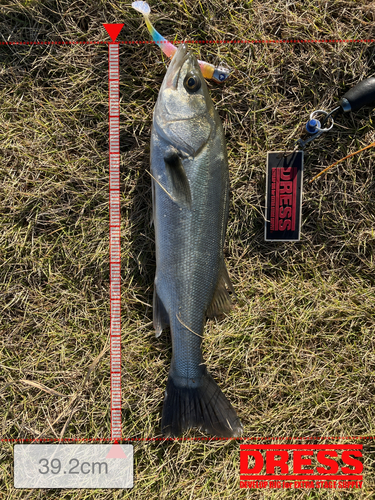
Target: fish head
184, 113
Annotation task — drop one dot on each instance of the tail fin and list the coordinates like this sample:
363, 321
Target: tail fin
204, 407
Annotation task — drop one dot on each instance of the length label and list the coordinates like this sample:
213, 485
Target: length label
115, 248
73, 466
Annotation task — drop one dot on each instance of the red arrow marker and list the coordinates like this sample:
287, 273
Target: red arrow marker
113, 30
116, 452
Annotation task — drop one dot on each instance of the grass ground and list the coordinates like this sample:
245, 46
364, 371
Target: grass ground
296, 356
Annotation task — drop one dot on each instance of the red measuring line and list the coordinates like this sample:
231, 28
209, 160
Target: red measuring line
114, 228
139, 42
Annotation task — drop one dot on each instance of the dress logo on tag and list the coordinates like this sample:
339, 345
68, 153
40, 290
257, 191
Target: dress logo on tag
283, 196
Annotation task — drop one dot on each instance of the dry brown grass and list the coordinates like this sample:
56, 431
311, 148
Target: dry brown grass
296, 356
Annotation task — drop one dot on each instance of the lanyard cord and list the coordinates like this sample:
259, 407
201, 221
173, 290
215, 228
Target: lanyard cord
342, 159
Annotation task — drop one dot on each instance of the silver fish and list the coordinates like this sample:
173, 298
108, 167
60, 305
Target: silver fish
190, 188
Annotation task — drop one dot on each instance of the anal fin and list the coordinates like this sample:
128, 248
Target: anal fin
160, 315
153, 202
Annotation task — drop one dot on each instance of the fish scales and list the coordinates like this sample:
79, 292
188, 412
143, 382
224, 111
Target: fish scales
190, 212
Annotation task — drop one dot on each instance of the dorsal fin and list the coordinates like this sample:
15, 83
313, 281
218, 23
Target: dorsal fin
221, 302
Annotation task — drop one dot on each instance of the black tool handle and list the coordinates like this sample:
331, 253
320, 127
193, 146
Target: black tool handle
361, 95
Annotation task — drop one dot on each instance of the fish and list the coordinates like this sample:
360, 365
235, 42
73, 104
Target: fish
190, 194
209, 71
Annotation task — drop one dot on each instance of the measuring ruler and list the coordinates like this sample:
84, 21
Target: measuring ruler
114, 225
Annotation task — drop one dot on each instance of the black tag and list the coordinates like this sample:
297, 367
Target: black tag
283, 196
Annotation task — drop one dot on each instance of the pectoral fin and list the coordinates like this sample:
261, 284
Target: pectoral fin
221, 302
160, 315
178, 183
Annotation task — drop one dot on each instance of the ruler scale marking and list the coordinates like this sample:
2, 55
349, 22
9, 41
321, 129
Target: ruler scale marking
115, 248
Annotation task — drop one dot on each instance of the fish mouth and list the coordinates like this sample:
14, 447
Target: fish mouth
174, 69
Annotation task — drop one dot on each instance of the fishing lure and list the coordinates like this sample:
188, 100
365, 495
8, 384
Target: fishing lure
209, 71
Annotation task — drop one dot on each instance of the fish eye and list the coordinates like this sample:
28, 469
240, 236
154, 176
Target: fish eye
192, 82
